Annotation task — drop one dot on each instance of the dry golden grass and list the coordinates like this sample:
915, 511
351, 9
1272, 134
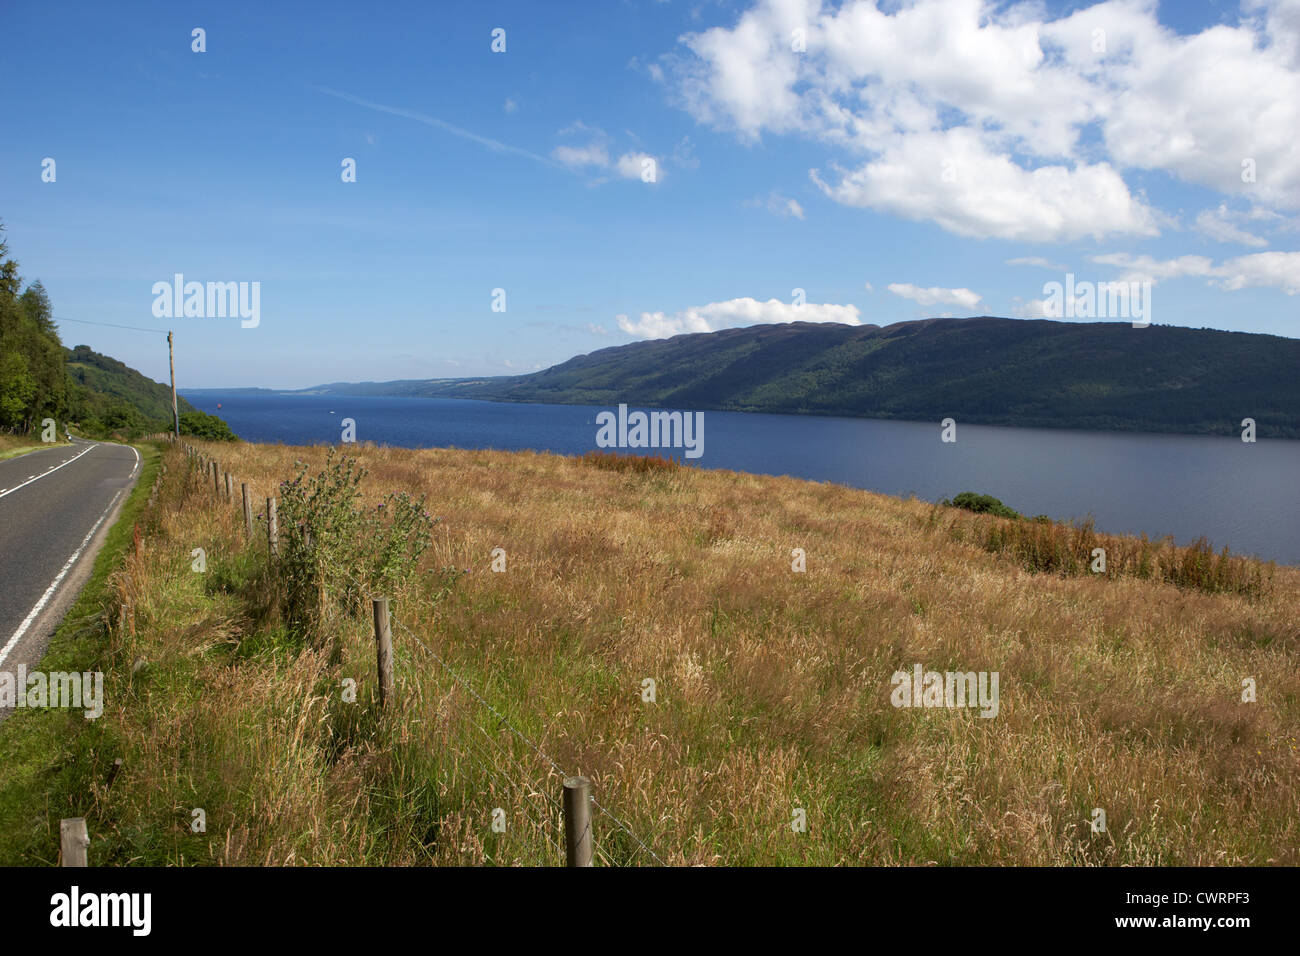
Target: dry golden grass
772, 686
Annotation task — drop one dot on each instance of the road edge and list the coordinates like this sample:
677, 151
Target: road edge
35, 745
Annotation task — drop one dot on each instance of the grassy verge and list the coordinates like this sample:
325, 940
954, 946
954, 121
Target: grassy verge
11, 446
54, 760
554, 588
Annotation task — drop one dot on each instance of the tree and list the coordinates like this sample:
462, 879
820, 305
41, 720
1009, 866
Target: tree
37, 303
17, 388
10, 281
209, 427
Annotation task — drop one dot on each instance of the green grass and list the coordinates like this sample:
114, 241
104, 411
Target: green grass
55, 760
12, 446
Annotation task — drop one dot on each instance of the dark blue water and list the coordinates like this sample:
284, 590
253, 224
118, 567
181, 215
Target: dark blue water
1246, 496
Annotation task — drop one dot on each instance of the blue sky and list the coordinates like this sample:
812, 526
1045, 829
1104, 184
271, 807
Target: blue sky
776, 169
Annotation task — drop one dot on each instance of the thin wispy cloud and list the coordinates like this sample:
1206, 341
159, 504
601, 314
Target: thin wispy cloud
1036, 261
486, 141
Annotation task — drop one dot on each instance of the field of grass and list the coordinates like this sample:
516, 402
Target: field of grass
1120, 692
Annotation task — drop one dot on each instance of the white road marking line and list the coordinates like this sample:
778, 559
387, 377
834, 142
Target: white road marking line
31, 478
54, 586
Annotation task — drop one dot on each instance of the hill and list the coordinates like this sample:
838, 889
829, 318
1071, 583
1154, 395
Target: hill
1100, 375
97, 395
117, 396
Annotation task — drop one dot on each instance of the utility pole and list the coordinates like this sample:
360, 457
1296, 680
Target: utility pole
171, 363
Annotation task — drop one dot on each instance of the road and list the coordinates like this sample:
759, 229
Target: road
56, 506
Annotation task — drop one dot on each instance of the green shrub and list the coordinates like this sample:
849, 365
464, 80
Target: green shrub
981, 504
333, 549
205, 426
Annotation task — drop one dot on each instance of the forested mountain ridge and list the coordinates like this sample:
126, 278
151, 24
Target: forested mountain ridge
1031, 373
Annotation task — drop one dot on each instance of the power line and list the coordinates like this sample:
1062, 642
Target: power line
110, 325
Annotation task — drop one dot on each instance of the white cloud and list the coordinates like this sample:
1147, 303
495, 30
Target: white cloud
1037, 261
595, 329
953, 179
734, 313
1217, 224
1005, 94
593, 154
637, 165
1036, 309
777, 205
1148, 269
935, 295
1278, 270
510, 105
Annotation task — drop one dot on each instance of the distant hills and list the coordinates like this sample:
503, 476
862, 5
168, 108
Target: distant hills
1029, 373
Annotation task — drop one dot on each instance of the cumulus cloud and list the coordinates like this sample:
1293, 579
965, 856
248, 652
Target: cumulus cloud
954, 179
641, 166
984, 133
733, 313
935, 295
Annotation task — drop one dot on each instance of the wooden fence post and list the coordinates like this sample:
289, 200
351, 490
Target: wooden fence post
577, 821
74, 841
272, 532
230, 488
248, 510
383, 650
216, 480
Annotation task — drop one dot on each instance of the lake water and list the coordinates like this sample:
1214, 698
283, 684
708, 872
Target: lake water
1246, 496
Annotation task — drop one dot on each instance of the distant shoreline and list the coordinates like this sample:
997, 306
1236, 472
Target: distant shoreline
812, 413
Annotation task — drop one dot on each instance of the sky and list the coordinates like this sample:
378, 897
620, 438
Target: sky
629, 169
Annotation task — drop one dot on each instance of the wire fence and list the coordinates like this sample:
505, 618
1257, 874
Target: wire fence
503, 774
